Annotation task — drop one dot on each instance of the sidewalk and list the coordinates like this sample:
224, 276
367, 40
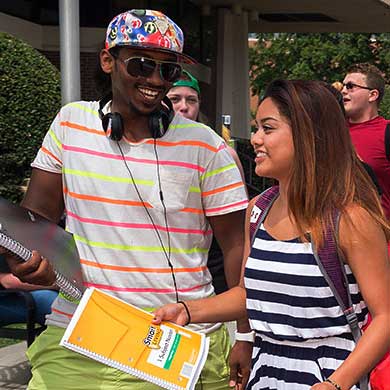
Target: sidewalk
14, 369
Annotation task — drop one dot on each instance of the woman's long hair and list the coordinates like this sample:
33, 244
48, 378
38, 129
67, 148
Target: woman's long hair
326, 172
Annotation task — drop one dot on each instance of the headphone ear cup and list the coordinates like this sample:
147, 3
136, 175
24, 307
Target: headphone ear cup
105, 121
115, 132
116, 127
160, 120
166, 117
154, 124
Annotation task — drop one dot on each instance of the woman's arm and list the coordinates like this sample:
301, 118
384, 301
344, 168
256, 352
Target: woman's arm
364, 246
227, 306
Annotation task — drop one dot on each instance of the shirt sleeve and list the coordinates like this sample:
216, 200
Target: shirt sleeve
49, 156
223, 190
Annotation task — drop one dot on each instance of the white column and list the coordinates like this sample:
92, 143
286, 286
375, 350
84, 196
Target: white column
69, 49
232, 77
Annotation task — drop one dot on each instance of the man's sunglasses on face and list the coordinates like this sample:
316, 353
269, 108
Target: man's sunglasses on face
349, 85
144, 67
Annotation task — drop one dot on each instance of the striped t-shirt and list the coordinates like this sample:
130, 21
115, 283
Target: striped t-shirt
302, 335
288, 297
119, 247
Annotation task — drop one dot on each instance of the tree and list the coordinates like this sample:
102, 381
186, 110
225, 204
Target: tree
29, 98
318, 56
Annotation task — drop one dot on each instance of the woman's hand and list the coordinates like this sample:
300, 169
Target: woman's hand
174, 312
323, 386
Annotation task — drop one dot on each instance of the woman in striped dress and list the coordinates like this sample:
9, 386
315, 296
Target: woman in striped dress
302, 339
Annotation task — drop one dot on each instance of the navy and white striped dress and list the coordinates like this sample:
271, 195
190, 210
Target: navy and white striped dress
302, 335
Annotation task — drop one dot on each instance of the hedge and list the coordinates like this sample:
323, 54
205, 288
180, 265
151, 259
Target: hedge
30, 96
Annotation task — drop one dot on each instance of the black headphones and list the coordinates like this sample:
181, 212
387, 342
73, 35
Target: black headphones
159, 120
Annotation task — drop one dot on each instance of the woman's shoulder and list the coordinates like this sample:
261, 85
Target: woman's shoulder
356, 214
357, 224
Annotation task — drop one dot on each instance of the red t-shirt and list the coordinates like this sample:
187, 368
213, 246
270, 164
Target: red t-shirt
369, 140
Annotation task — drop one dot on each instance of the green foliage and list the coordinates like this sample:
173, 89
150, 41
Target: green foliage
29, 98
384, 108
316, 56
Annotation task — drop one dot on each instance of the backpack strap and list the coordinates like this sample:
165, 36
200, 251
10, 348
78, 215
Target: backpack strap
331, 264
260, 209
328, 258
387, 141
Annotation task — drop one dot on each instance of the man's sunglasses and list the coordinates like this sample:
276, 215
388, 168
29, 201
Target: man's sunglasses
144, 67
351, 85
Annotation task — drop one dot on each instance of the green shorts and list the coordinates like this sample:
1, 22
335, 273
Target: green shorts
55, 367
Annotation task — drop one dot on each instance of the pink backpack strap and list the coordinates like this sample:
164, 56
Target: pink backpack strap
260, 209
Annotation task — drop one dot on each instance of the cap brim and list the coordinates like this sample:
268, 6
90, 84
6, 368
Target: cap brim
181, 57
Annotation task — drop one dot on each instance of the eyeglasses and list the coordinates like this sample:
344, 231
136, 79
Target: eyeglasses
144, 67
351, 85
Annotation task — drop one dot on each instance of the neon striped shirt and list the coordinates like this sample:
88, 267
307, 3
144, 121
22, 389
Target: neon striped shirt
119, 247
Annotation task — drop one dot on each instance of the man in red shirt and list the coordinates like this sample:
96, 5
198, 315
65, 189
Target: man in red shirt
363, 90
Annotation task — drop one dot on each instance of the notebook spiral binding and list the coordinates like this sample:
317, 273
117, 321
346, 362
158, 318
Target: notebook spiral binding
66, 287
14, 247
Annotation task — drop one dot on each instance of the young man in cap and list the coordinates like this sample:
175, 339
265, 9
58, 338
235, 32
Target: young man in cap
363, 90
142, 198
185, 96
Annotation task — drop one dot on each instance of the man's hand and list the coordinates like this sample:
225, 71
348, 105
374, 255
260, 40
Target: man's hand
37, 270
240, 364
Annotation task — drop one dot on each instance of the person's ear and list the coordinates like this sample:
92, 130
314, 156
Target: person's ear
374, 95
106, 61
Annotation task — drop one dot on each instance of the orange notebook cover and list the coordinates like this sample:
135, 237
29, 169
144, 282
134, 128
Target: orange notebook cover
122, 336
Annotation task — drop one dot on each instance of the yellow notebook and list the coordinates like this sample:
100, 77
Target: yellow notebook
122, 336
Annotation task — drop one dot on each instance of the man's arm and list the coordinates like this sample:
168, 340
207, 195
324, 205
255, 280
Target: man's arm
7, 280
44, 196
228, 229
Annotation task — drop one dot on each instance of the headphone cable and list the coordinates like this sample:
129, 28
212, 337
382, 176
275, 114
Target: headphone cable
167, 255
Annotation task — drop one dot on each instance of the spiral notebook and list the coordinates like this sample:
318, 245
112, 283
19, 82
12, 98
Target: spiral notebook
22, 231
120, 335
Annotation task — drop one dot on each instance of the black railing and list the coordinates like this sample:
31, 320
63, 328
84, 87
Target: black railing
254, 183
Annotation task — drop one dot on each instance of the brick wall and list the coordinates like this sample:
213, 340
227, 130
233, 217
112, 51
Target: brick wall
88, 64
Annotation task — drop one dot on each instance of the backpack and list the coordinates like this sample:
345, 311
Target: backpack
326, 257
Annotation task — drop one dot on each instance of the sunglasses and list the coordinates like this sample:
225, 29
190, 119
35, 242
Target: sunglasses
144, 67
351, 85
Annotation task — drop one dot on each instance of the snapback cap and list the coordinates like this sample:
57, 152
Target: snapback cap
147, 29
187, 80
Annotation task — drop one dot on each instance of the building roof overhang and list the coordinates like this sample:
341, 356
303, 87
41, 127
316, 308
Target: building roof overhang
309, 15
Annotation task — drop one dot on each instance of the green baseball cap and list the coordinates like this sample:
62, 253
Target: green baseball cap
187, 80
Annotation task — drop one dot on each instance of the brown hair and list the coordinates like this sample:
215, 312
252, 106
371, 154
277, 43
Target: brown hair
326, 172
374, 77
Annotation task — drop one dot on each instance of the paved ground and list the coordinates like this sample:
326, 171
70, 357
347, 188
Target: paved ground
14, 369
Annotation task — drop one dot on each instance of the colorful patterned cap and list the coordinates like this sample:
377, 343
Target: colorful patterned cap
147, 29
187, 80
